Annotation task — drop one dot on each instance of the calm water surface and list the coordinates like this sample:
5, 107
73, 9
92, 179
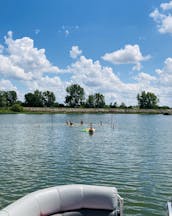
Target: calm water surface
131, 152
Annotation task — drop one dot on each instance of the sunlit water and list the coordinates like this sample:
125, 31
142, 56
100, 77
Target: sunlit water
130, 152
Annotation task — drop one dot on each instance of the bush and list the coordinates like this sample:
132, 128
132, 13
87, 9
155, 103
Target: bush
17, 108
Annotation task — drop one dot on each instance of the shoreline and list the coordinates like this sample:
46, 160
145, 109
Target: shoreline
66, 110
96, 110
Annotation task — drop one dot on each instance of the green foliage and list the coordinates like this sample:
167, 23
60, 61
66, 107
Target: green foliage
40, 99
49, 98
123, 106
114, 105
99, 100
147, 100
95, 101
7, 98
11, 97
17, 108
90, 102
75, 97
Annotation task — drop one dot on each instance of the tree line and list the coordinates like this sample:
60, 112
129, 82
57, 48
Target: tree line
75, 98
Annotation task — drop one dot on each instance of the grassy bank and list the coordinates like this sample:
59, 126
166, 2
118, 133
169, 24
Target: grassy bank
42, 110
95, 110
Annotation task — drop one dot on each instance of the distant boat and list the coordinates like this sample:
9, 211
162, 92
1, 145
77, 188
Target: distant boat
68, 200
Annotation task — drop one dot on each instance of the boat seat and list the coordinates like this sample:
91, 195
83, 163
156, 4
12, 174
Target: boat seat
87, 212
66, 200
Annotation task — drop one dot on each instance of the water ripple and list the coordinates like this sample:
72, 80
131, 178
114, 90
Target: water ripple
39, 151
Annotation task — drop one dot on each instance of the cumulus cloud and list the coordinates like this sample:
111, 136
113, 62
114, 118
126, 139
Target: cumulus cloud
166, 6
23, 54
6, 85
145, 77
1, 49
163, 19
97, 78
75, 52
165, 74
53, 84
130, 54
27, 66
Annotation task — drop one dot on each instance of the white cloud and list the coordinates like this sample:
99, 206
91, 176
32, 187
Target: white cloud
23, 61
1, 49
8, 69
164, 83
163, 19
165, 74
29, 65
23, 54
145, 77
131, 54
166, 6
94, 77
6, 85
53, 84
75, 52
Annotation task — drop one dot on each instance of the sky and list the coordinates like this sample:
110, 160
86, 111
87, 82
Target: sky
118, 48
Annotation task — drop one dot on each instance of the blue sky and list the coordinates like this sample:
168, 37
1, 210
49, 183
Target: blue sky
117, 48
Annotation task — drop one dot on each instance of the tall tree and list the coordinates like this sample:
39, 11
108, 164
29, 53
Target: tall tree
11, 97
147, 100
34, 99
123, 106
75, 95
29, 99
49, 98
90, 101
3, 99
7, 98
99, 100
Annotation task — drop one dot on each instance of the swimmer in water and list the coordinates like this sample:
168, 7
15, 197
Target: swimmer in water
91, 129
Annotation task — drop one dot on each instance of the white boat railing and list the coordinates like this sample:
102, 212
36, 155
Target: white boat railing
121, 204
169, 208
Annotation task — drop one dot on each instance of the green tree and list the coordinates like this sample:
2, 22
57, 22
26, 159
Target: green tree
35, 99
123, 106
7, 98
114, 105
75, 95
147, 100
3, 99
90, 101
49, 98
99, 100
29, 99
17, 108
11, 97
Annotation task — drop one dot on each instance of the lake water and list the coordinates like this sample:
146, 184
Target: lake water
131, 152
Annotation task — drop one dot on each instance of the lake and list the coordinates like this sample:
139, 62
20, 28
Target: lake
129, 151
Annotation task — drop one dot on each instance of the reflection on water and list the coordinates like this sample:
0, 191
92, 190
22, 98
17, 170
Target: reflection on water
131, 152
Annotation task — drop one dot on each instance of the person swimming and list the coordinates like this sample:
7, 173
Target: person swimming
91, 129
70, 123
